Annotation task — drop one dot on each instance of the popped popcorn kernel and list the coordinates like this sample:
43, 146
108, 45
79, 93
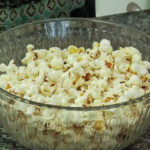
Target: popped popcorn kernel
139, 69
3, 67
79, 59
96, 45
75, 50
105, 46
57, 63
78, 76
30, 47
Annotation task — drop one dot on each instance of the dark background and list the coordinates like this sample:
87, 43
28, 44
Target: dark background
88, 10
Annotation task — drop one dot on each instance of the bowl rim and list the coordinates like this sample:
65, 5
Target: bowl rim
13, 97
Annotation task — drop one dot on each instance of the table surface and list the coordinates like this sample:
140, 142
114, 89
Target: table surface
139, 20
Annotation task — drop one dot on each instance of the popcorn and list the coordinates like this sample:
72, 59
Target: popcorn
57, 63
21, 73
136, 58
134, 92
96, 45
55, 50
123, 98
77, 69
118, 60
72, 58
2, 67
54, 75
103, 84
5, 77
95, 92
67, 84
139, 69
30, 47
105, 46
134, 79
101, 63
28, 58
146, 64
105, 72
82, 99
123, 67
74, 49
130, 51
84, 63
45, 89
76, 77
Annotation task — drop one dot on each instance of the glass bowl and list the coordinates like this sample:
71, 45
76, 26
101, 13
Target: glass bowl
47, 127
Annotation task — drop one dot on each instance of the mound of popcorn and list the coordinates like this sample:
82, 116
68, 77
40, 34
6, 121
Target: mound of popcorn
76, 77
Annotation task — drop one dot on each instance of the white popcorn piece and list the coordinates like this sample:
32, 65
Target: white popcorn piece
96, 64
123, 98
82, 99
79, 82
3, 67
57, 63
146, 64
21, 73
71, 59
102, 84
77, 69
130, 51
105, 46
5, 77
98, 102
105, 72
85, 63
139, 69
117, 53
55, 50
118, 60
67, 83
136, 58
30, 47
101, 63
95, 92
134, 79
133, 92
45, 89
96, 45
54, 75
123, 67
28, 58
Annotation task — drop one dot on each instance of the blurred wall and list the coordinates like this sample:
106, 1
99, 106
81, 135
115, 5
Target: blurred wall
107, 7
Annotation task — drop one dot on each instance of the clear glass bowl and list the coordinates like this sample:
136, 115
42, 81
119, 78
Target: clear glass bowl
46, 127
